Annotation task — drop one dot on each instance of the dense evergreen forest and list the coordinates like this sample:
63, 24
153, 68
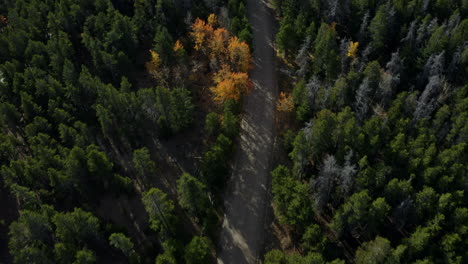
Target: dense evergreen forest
117, 119
374, 112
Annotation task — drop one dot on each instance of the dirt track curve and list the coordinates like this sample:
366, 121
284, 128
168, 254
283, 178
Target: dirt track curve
243, 231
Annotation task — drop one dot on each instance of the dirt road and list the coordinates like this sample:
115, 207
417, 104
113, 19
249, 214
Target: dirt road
243, 231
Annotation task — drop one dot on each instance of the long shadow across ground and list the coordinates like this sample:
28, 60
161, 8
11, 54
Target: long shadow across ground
246, 201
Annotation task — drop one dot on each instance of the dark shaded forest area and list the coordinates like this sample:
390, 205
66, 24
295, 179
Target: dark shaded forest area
376, 127
119, 118
105, 152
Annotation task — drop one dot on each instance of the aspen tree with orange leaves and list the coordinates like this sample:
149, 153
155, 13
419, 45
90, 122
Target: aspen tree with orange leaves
231, 80
178, 46
179, 49
232, 86
285, 103
239, 54
201, 33
218, 42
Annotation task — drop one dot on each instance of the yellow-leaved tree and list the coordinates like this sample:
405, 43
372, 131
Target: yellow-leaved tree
231, 79
178, 46
153, 65
201, 33
353, 49
285, 103
230, 85
213, 20
217, 44
239, 54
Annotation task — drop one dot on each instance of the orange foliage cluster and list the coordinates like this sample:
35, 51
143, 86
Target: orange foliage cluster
201, 32
239, 53
285, 103
178, 46
234, 55
217, 43
231, 86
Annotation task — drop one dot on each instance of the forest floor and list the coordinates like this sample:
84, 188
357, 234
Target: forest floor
246, 201
8, 213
